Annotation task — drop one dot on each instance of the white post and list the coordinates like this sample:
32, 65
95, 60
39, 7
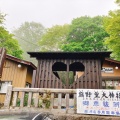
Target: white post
8, 97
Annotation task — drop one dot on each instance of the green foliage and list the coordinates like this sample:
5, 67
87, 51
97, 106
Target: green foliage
2, 18
110, 87
45, 100
63, 76
112, 26
118, 2
18, 102
25, 101
28, 35
86, 34
54, 38
8, 41
72, 47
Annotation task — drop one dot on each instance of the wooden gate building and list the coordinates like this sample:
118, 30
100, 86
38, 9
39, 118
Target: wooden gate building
51, 63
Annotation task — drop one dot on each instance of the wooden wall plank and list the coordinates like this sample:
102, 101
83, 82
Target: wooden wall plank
86, 74
2, 98
50, 73
96, 78
89, 74
43, 74
33, 79
93, 74
67, 77
87, 80
100, 74
39, 73
53, 78
47, 70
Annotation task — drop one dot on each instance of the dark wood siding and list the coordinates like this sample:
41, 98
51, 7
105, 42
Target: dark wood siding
91, 79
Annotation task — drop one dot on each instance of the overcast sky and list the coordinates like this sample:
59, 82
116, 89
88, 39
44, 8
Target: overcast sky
51, 12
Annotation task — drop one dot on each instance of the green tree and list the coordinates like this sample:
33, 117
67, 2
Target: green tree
54, 38
28, 35
112, 26
86, 34
118, 2
7, 41
73, 47
2, 18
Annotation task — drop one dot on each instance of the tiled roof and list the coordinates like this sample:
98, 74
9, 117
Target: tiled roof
21, 61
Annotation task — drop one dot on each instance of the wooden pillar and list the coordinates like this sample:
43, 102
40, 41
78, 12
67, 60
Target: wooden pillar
67, 79
100, 75
33, 79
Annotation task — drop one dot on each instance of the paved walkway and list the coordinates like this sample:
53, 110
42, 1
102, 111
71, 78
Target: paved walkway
45, 114
27, 116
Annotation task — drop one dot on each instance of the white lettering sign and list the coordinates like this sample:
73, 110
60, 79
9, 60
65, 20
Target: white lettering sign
100, 102
107, 70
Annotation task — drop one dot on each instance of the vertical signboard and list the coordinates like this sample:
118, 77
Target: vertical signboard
100, 102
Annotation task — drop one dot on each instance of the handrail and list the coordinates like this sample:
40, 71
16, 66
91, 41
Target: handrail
43, 90
60, 101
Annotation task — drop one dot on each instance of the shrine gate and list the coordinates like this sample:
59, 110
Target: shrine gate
51, 63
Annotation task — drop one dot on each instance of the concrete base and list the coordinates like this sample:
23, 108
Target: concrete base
56, 114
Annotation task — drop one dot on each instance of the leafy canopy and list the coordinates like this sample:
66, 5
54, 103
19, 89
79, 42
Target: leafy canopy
28, 35
7, 41
54, 38
86, 34
112, 26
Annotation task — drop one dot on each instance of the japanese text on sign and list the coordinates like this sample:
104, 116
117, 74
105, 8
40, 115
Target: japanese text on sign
102, 102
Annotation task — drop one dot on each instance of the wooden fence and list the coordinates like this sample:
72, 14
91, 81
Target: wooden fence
61, 99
